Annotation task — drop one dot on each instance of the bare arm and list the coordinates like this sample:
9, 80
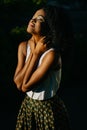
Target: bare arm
39, 73
21, 66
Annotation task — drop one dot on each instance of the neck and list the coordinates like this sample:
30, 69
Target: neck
36, 38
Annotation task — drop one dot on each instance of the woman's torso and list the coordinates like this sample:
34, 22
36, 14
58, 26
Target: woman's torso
49, 86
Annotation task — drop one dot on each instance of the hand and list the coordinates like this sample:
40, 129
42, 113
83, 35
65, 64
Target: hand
41, 46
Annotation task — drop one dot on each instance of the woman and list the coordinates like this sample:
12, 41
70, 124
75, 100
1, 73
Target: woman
38, 73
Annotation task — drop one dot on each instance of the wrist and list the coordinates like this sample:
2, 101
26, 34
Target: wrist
36, 53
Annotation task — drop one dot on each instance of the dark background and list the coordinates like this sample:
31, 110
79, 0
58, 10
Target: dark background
14, 18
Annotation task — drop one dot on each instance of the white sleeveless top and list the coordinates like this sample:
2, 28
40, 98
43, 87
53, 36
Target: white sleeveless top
49, 86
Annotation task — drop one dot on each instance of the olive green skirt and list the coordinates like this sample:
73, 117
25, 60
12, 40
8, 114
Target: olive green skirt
49, 114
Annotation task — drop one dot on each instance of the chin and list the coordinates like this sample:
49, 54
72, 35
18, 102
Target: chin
29, 30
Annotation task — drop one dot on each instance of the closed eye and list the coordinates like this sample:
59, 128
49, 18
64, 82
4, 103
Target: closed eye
40, 18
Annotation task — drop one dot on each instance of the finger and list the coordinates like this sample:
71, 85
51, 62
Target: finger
45, 47
43, 38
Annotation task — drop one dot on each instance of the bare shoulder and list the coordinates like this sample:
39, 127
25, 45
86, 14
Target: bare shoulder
50, 56
22, 47
54, 59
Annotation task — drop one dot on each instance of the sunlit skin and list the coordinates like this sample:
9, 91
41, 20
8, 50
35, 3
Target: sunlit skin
34, 26
26, 74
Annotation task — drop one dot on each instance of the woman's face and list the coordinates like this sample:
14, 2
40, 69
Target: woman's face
35, 25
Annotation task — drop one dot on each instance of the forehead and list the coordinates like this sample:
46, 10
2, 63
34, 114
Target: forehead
40, 12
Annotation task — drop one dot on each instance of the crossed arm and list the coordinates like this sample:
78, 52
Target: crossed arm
26, 74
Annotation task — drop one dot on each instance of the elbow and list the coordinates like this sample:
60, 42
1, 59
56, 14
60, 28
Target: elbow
18, 84
26, 88
15, 81
23, 89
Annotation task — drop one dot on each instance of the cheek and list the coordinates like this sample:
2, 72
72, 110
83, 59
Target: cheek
38, 27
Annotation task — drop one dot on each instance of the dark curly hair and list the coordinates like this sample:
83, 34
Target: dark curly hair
57, 28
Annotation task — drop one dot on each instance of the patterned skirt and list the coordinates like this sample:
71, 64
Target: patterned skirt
42, 115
